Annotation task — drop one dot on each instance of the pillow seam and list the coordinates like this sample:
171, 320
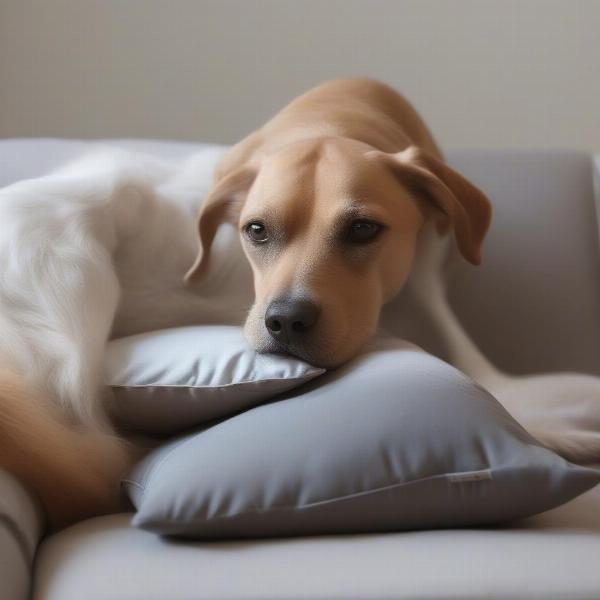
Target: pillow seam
316, 373
353, 495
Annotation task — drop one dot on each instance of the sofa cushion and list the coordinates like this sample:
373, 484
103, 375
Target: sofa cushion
169, 380
551, 555
395, 439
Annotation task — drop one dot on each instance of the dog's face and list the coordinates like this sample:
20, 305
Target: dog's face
330, 237
330, 230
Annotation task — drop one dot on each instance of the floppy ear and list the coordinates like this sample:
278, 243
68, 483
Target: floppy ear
222, 204
448, 197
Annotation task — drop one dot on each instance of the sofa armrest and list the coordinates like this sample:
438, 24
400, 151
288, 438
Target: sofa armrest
21, 527
596, 171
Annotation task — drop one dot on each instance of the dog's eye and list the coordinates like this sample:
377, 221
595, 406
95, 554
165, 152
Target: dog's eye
361, 232
257, 232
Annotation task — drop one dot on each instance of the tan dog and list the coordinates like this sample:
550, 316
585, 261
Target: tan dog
331, 197
341, 201
338, 199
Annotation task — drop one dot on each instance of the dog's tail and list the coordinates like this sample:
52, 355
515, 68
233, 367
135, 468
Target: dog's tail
75, 473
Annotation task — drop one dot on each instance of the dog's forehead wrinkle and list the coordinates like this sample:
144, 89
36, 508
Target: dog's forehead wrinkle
285, 195
305, 183
347, 179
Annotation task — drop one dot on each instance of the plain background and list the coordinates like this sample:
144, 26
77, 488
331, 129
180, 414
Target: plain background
484, 73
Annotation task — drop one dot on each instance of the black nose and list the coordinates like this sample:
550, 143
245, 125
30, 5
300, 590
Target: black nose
287, 319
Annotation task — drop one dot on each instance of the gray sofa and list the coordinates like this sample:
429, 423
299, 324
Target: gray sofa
534, 305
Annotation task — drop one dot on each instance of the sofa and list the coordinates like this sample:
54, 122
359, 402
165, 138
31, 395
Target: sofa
533, 306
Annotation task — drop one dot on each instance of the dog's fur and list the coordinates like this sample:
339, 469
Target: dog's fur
98, 249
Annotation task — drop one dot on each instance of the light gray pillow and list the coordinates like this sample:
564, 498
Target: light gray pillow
166, 381
396, 439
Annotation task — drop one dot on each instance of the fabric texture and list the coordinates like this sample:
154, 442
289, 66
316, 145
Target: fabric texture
396, 439
173, 379
553, 555
21, 524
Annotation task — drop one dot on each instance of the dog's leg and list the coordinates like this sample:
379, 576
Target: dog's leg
562, 410
427, 286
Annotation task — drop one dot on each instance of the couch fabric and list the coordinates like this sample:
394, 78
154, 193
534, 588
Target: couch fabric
21, 525
553, 556
533, 305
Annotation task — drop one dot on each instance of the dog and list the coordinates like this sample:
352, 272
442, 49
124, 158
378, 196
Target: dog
331, 196
340, 201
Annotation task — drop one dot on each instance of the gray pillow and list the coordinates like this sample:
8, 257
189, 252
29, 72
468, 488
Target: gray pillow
396, 439
169, 380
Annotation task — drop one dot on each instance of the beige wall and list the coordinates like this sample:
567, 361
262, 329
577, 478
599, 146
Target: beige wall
484, 73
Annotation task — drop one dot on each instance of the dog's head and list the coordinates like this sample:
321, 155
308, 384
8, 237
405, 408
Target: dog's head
330, 229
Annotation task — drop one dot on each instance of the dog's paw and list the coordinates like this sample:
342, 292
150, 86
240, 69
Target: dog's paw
561, 410
577, 446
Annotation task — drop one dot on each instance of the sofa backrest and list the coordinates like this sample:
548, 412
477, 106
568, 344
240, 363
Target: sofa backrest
534, 304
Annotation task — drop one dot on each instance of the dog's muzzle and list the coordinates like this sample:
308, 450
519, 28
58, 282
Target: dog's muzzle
290, 320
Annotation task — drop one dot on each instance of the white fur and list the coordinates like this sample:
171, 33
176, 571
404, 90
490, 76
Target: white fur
99, 247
